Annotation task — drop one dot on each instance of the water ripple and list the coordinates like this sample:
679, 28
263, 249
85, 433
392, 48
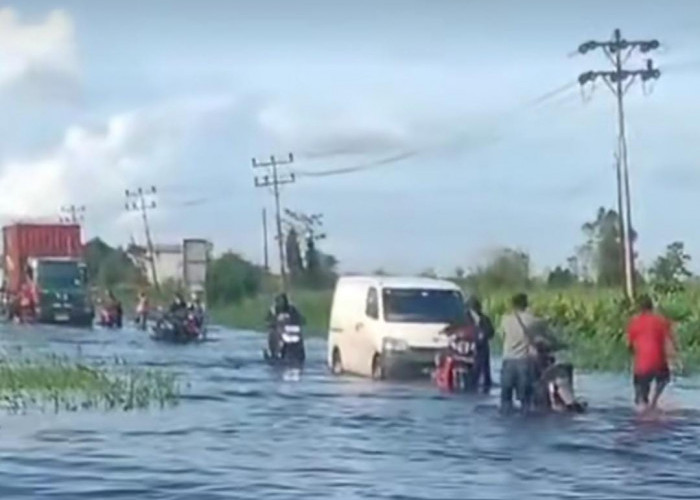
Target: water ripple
244, 430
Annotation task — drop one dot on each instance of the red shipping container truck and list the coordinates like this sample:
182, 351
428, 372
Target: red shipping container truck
44, 274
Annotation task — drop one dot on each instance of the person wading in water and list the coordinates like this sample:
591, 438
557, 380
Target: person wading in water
654, 348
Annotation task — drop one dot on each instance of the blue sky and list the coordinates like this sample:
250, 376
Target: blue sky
104, 96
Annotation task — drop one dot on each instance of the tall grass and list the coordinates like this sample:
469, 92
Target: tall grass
249, 314
594, 323
60, 384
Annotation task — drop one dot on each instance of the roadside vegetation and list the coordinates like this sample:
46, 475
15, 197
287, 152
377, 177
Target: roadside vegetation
582, 298
56, 384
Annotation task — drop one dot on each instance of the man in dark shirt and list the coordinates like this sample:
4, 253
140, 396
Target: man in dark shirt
484, 334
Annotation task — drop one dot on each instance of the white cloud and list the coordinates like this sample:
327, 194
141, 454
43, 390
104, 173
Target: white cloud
93, 165
40, 59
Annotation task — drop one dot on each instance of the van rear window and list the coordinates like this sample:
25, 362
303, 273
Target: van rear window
412, 305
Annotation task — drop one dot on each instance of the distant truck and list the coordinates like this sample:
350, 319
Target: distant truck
45, 277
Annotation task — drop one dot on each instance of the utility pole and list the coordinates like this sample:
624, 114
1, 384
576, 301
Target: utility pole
140, 204
621, 218
619, 80
266, 259
274, 180
72, 214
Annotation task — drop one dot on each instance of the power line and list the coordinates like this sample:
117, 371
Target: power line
141, 204
549, 96
274, 180
619, 80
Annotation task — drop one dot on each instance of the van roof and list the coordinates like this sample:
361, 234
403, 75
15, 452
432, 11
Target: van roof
401, 282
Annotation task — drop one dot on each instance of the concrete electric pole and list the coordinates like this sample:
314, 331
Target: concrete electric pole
266, 258
141, 204
274, 180
72, 214
619, 80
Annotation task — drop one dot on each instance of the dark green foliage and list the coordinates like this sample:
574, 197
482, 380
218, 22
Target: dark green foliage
320, 268
507, 268
669, 272
561, 278
231, 278
603, 250
295, 264
109, 266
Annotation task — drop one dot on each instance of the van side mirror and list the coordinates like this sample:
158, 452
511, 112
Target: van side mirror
372, 310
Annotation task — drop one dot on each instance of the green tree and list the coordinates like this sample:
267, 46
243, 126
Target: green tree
295, 263
108, 267
603, 250
561, 277
231, 278
670, 270
320, 271
507, 268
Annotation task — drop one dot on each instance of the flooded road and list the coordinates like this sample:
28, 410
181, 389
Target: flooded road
243, 431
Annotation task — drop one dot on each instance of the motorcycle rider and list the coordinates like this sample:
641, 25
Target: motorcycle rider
178, 314
281, 307
484, 333
196, 307
178, 305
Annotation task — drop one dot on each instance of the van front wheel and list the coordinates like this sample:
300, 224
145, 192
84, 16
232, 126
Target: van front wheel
337, 363
377, 368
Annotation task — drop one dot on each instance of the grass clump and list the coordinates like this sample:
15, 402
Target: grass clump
60, 384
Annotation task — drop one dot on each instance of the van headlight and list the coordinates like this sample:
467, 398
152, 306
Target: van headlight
394, 345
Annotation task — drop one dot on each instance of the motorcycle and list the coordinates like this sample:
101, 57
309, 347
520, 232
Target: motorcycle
554, 389
175, 328
110, 318
454, 366
287, 343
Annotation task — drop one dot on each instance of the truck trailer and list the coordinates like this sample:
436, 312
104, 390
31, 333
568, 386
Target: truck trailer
45, 278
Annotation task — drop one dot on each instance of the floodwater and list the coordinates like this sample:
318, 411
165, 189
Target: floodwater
244, 431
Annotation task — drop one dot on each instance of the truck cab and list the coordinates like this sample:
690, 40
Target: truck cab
61, 290
45, 277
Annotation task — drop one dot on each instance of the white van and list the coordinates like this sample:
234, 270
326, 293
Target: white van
385, 326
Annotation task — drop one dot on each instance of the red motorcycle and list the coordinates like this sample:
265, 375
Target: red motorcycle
454, 366
111, 316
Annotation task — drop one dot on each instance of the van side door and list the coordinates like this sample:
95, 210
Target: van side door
366, 329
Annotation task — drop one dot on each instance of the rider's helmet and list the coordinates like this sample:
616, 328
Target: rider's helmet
281, 303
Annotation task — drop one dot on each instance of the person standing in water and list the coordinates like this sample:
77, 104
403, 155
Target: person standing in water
485, 332
518, 369
142, 311
653, 347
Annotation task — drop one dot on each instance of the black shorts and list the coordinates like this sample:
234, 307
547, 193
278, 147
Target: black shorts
642, 384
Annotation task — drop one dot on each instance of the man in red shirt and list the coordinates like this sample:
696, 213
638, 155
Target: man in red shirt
652, 343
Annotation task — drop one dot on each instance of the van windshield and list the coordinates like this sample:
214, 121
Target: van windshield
413, 305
